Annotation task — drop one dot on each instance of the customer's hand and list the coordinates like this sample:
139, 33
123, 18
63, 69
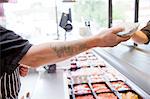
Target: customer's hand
109, 38
23, 70
140, 37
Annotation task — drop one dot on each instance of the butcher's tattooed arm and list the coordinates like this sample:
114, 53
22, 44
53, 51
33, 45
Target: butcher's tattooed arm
69, 50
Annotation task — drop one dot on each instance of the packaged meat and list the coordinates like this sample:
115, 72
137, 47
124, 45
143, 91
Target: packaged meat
85, 97
107, 96
102, 87
120, 85
82, 89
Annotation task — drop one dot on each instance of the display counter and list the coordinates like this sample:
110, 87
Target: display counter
133, 62
92, 75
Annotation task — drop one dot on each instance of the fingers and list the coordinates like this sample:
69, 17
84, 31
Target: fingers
23, 71
121, 39
23, 74
116, 29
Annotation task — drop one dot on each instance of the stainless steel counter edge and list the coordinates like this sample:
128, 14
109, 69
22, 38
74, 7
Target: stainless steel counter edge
66, 89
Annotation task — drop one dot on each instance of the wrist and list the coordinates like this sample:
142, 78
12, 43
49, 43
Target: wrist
93, 42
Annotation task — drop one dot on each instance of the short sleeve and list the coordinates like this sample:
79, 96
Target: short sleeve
146, 31
13, 48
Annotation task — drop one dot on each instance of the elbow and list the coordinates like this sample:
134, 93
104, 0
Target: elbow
33, 65
30, 62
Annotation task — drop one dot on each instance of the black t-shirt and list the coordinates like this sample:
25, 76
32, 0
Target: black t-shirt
146, 30
12, 48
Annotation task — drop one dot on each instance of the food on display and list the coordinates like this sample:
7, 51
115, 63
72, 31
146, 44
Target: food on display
111, 74
86, 69
83, 64
85, 97
112, 77
73, 67
100, 88
84, 79
110, 70
120, 86
107, 96
130, 95
82, 89
92, 58
96, 78
82, 58
96, 63
80, 79
73, 59
100, 63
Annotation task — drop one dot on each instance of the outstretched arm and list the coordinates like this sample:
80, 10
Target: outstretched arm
57, 51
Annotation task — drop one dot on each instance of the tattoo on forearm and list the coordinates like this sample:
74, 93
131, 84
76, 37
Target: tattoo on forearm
68, 50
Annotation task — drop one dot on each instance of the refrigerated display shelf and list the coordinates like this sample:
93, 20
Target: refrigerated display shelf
133, 91
107, 83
